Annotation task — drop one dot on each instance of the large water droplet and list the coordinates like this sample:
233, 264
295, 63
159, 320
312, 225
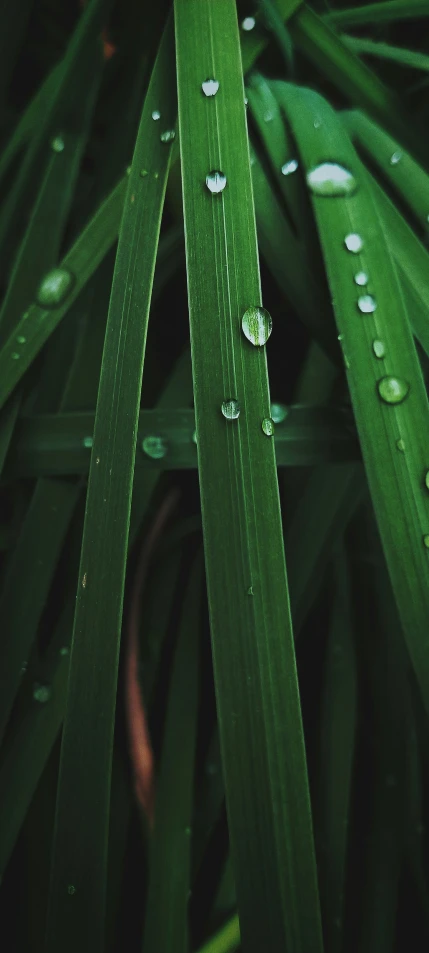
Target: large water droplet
156, 114
395, 158
379, 348
353, 243
278, 413
216, 181
168, 135
400, 445
57, 144
210, 87
393, 390
367, 304
231, 409
361, 278
41, 693
289, 167
268, 426
330, 180
248, 24
257, 325
155, 447
54, 287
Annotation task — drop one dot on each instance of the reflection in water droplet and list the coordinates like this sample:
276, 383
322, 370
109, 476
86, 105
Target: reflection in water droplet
257, 325
248, 24
393, 390
379, 348
87, 441
329, 179
353, 243
268, 426
57, 144
289, 167
41, 693
367, 304
168, 135
54, 287
210, 87
156, 114
216, 181
426, 540
231, 409
400, 444
395, 158
194, 436
361, 278
155, 447
278, 412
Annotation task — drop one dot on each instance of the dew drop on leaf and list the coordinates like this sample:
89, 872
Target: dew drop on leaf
54, 287
379, 348
395, 158
427, 479
400, 444
210, 87
257, 325
57, 144
248, 24
361, 278
15, 356
216, 181
194, 436
231, 408
426, 540
367, 304
156, 114
268, 426
21, 339
393, 390
71, 890
353, 243
41, 693
289, 167
278, 412
154, 447
329, 179
168, 135
87, 441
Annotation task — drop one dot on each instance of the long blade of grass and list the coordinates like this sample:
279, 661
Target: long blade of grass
389, 11
255, 675
386, 51
76, 912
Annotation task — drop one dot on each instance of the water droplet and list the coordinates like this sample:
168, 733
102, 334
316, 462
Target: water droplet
216, 181
426, 540
361, 278
393, 390
379, 348
143, 173
250, 591
268, 426
128, 170
278, 413
188, 831
330, 180
427, 479
231, 409
395, 158
194, 436
353, 242
210, 87
41, 693
87, 441
248, 24
246, 101
257, 325
54, 287
71, 889
168, 135
84, 579
317, 124
367, 304
21, 339
156, 114
14, 356
65, 650
155, 447
57, 144
400, 445
268, 116
24, 667
289, 167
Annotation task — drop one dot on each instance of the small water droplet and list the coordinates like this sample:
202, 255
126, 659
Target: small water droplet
400, 445
194, 436
188, 831
393, 390
64, 650
353, 243
231, 409
426, 540
268, 116
54, 287
57, 144
87, 441
395, 158
154, 447
379, 348
427, 479
21, 339
248, 24
250, 591
210, 87
278, 413
367, 304
246, 101
317, 123
156, 114
84, 579
257, 325
289, 167
168, 135
361, 278
14, 356
71, 889
329, 179
143, 173
41, 693
216, 181
268, 426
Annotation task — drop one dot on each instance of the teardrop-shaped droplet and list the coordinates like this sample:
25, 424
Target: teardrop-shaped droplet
400, 445
330, 179
353, 243
156, 114
395, 158
168, 135
289, 167
268, 426
41, 693
379, 348
216, 181
427, 479
55, 287
367, 304
257, 325
87, 442
361, 278
231, 409
248, 24
57, 144
154, 447
278, 412
393, 390
210, 87
426, 540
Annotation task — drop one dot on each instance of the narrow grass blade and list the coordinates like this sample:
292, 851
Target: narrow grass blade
255, 676
389, 11
28, 121
254, 40
391, 428
386, 51
76, 910
226, 940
